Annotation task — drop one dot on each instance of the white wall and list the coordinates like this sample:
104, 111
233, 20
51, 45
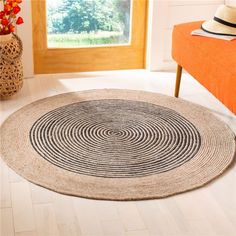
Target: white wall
25, 33
231, 2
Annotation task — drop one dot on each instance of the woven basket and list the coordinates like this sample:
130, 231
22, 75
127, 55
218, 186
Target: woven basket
11, 69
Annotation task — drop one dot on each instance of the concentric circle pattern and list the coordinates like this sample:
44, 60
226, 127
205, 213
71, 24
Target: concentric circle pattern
116, 144
115, 138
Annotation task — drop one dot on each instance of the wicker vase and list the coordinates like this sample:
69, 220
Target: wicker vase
11, 69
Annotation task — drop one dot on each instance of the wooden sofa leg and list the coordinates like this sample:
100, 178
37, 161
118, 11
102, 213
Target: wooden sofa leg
178, 80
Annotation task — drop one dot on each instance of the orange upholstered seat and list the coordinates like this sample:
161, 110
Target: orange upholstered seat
210, 61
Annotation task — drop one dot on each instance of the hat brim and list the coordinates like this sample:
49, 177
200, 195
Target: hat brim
215, 27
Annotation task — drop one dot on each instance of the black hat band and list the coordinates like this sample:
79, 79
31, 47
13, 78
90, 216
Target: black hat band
224, 22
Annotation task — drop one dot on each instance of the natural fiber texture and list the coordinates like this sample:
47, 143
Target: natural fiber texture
11, 76
116, 144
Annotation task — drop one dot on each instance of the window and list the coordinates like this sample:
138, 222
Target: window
86, 23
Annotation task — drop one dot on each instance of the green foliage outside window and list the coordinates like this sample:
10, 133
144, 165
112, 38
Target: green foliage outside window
86, 16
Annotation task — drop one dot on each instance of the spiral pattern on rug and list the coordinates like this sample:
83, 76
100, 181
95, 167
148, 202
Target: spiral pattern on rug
115, 138
116, 144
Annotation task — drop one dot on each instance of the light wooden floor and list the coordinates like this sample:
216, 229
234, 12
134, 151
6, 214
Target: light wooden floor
29, 210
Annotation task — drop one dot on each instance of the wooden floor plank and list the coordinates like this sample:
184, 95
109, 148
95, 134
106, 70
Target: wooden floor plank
130, 216
27, 233
66, 216
88, 217
113, 228
5, 191
6, 222
22, 207
138, 233
45, 219
40, 194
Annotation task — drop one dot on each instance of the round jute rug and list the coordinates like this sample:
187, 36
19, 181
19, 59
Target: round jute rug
116, 144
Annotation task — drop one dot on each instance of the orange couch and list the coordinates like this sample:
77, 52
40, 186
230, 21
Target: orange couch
210, 61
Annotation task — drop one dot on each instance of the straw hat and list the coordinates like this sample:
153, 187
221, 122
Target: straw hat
223, 23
